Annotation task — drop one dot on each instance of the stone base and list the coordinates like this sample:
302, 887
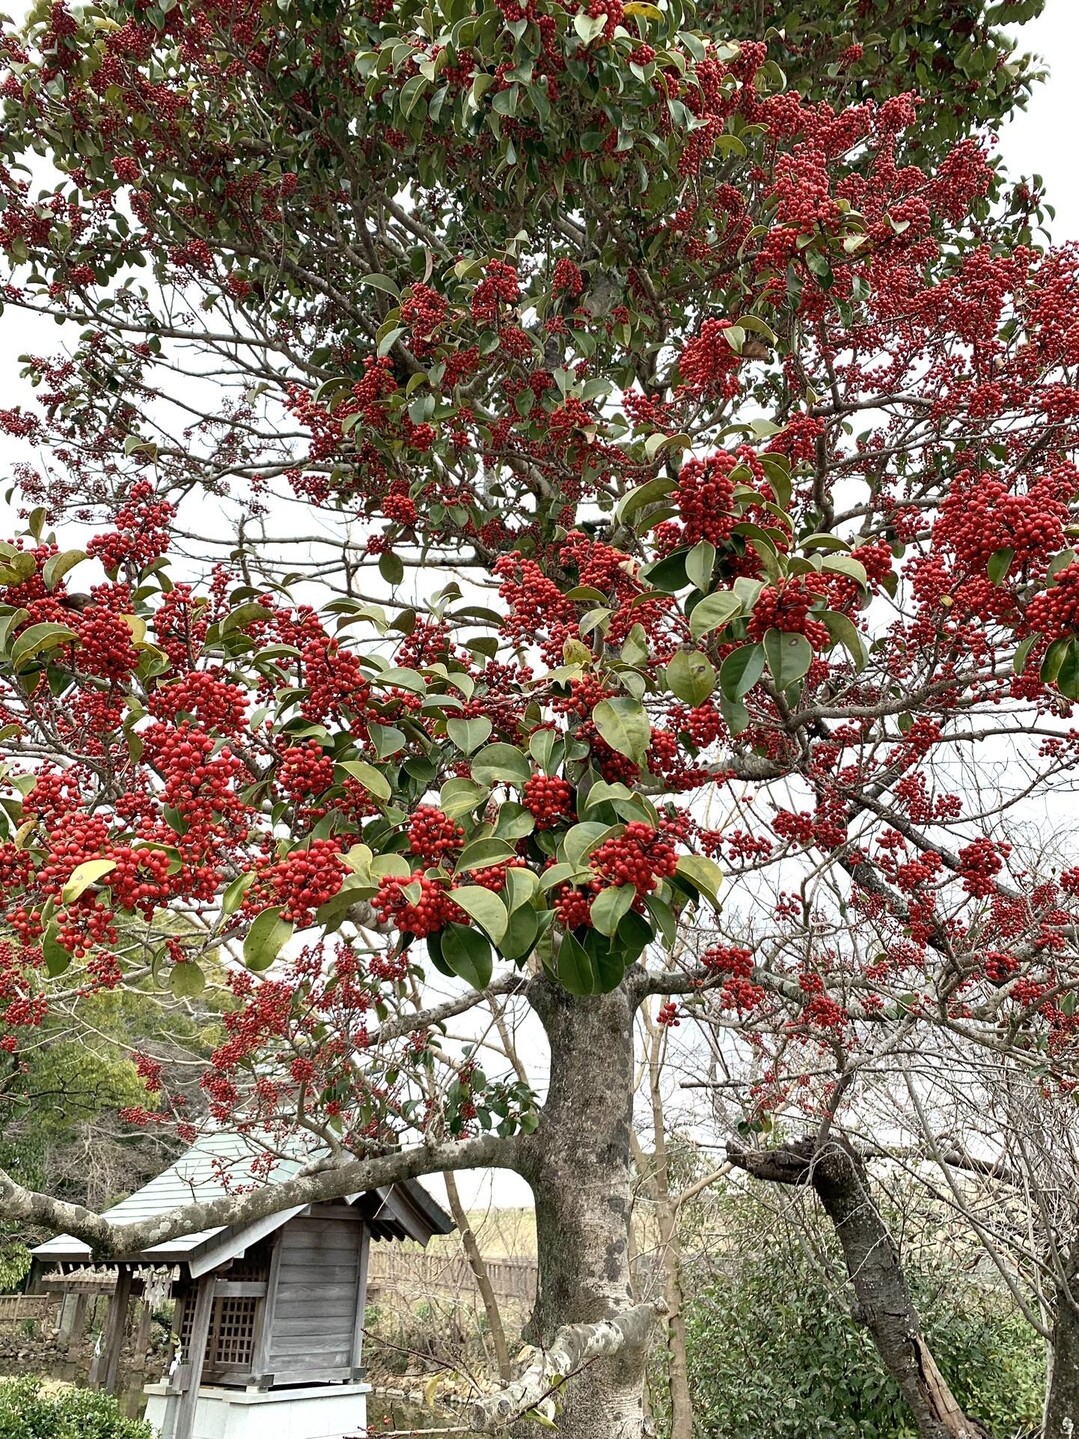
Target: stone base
321, 1411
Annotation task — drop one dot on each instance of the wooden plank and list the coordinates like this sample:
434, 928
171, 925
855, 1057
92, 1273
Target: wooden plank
296, 1346
114, 1330
196, 1356
240, 1288
361, 1303
318, 1294
307, 1375
317, 1248
260, 1353
336, 1329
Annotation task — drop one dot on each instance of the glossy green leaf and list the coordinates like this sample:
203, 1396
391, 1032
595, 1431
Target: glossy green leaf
713, 612
501, 764
485, 908
623, 724
84, 875
610, 905
691, 677
268, 935
468, 955
789, 657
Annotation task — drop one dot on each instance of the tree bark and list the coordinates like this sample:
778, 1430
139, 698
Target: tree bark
578, 1166
1062, 1395
839, 1178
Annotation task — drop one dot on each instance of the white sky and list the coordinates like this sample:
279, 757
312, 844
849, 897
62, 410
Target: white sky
1042, 140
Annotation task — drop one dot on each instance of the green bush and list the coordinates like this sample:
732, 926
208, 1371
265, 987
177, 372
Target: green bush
774, 1351
27, 1413
771, 1361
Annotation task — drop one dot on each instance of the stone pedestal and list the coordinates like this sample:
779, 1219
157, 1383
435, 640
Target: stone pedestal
324, 1411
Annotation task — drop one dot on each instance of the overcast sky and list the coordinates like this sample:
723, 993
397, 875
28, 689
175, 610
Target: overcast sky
1043, 140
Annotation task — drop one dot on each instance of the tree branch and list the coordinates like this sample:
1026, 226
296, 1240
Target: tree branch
573, 1346
116, 1240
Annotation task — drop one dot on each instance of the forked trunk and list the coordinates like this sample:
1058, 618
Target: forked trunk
873, 1264
1062, 1397
578, 1165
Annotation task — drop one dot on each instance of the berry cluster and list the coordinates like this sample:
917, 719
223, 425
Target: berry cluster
641, 856
432, 835
548, 799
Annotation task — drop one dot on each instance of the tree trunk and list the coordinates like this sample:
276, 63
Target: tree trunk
481, 1276
1062, 1396
577, 1163
839, 1177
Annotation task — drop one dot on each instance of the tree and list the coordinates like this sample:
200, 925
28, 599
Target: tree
576, 314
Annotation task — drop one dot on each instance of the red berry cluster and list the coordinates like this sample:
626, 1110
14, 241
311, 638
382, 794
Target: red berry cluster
432, 835
668, 1015
127, 170
785, 607
567, 279
142, 531
979, 865
423, 310
728, 959
705, 499
641, 856
303, 770
307, 878
499, 286
548, 799
431, 910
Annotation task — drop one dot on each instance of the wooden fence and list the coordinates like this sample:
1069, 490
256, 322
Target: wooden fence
396, 1271
14, 1307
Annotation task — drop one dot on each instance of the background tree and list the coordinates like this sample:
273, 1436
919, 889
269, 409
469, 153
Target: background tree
761, 435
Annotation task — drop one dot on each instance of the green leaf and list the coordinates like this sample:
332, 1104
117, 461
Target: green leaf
57, 958
789, 657
623, 724
501, 764
610, 905
186, 980
459, 797
844, 565
37, 639
844, 631
713, 612
485, 908
387, 739
83, 876
579, 842
574, 968
391, 568
514, 822
1067, 680
999, 565
521, 934
740, 671
57, 567
700, 562
469, 734
234, 893
483, 853
691, 676
373, 780
467, 954
588, 27
384, 283
268, 934
702, 872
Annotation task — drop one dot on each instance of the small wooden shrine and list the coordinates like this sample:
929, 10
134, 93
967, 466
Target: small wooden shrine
267, 1332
